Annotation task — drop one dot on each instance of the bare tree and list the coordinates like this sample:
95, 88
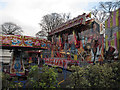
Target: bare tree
51, 21
104, 10
41, 34
11, 29
108, 7
65, 16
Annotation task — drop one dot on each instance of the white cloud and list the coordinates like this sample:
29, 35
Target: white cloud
28, 13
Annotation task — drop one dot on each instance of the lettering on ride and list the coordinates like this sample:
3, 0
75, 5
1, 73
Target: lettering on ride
55, 62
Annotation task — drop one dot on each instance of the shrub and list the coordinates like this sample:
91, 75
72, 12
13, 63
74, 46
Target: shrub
96, 76
116, 70
100, 76
42, 78
78, 78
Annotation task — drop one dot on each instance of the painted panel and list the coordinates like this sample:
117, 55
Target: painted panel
17, 66
24, 41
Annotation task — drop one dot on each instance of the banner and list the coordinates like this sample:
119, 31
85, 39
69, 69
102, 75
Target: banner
24, 41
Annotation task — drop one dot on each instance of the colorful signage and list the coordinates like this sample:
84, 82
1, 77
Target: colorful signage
63, 63
24, 41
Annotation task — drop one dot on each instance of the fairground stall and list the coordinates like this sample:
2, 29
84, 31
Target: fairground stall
18, 45
112, 36
76, 42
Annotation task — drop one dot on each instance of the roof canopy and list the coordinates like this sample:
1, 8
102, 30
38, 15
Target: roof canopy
80, 20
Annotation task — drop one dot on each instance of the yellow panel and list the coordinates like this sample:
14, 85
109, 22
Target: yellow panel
117, 15
106, 24
106, 42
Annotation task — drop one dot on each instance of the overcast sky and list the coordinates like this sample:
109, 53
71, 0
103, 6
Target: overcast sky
28, 13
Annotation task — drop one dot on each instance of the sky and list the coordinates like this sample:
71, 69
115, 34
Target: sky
28, 13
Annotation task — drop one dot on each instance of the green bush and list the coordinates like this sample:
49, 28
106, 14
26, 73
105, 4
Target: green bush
8, 82
42, 78
78, 78
116, 70
96, 76
100, 76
